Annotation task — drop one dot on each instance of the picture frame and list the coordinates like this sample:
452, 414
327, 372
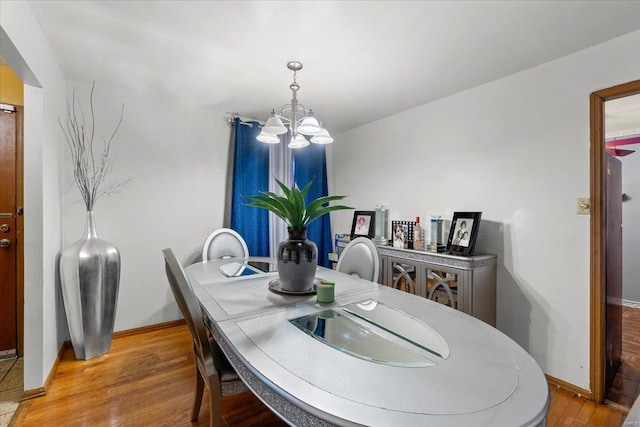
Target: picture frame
400, 234
463, 233
363, 224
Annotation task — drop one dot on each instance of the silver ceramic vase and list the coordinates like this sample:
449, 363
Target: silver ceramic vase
90, 276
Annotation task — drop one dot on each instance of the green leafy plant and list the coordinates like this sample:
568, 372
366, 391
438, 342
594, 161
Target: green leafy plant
291, 207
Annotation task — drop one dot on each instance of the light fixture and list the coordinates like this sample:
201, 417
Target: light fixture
298, 141
322, 137
294, 118
274, 125
268, 138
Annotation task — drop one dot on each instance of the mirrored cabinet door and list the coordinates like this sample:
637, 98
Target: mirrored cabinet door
467, 284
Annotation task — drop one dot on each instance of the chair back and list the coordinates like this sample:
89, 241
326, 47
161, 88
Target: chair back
360, 258
224, 243
188, 304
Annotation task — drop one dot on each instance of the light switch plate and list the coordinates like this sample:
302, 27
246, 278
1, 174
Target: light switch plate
584, 206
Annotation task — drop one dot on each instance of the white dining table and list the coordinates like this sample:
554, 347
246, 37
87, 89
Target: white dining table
476, 376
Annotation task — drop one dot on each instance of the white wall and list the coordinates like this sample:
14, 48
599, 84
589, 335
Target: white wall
28, 54
176, 156
631, 226
517, 150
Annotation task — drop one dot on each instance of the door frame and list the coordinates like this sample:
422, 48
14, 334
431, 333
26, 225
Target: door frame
20, 228
598, 233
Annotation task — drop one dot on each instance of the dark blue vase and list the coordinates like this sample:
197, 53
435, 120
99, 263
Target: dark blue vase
297, 262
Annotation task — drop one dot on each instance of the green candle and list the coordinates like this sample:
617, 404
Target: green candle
325, 291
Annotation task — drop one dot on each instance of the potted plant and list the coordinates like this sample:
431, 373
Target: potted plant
297, 257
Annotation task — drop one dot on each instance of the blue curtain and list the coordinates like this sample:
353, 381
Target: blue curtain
311, 163
250, 176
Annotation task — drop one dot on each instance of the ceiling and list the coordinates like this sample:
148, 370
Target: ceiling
363, 60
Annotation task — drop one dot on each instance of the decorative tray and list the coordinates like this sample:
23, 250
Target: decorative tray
275, 286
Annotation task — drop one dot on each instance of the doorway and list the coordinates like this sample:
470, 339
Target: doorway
622, 127
11, 218
10, 230
600, 234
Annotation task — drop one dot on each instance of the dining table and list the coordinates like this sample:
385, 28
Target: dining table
374, 356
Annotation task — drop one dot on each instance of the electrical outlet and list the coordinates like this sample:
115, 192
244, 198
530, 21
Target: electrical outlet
584, 206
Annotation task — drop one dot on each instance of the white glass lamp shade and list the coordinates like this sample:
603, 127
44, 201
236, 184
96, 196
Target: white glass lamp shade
322, 137
309, 126
274, 126
298, 142
268, 138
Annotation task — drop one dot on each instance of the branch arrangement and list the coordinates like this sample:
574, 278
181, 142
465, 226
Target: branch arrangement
91, 163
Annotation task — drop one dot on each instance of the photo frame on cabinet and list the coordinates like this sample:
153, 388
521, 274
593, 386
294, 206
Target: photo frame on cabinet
363, 224
400, 234
463, 233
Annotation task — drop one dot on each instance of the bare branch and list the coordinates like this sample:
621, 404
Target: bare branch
89, 171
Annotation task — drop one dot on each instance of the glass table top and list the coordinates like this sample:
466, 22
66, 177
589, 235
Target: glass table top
402, 325
372, 331
247, 268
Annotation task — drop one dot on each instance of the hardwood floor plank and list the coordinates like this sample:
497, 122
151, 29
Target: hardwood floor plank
625, 387
615, 418
599, 417
149, 380
557, 406
570, 413
584, 416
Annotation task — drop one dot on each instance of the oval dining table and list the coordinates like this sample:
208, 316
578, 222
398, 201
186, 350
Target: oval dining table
375, 356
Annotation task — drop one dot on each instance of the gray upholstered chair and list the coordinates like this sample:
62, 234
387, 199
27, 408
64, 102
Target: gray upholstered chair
360, 258
212, 367
224, 243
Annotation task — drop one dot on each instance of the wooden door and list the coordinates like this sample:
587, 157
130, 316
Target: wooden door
613, 200
8, 236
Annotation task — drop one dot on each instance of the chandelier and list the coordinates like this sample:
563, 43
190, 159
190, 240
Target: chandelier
299, 120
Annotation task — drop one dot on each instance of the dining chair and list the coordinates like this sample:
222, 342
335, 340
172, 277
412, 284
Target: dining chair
360, 258
212, 367
224, 243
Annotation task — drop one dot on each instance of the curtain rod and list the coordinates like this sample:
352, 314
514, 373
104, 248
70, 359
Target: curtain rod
243, 119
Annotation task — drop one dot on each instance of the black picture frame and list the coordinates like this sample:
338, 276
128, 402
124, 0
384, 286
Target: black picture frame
463, 233
363, 224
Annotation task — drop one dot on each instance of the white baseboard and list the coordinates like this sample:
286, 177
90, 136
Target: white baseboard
633, 304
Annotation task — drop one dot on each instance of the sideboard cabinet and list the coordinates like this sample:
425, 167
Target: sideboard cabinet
467, 284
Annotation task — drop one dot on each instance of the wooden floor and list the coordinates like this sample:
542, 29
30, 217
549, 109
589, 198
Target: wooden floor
625, 386
149, 379
144, 380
